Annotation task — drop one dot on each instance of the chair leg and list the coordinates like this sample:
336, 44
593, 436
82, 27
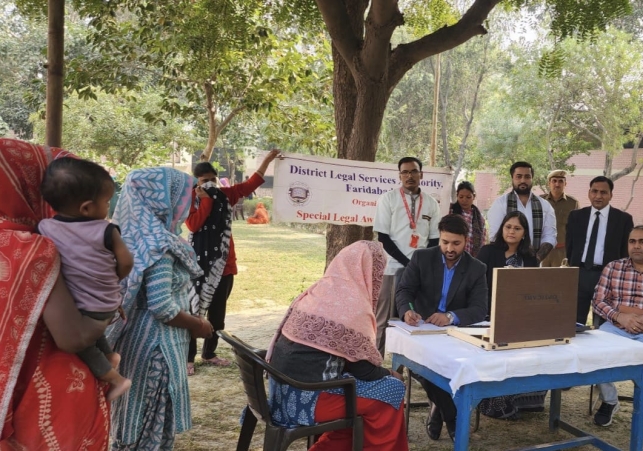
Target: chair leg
407, 399
591, 399
358, 434
247, 429
476, 425
311, 440
274, 439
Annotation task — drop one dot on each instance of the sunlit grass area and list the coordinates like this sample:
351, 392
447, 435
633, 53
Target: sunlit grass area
275, 264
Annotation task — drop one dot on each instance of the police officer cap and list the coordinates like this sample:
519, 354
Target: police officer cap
557, 173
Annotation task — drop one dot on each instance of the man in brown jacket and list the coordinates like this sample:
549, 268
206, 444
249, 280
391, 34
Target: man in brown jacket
563, 204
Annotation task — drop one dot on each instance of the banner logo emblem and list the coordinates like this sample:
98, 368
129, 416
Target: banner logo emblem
299, 194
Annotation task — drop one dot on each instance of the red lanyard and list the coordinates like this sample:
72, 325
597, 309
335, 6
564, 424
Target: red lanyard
412, 221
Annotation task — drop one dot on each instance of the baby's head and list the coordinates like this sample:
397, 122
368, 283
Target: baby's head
77, 188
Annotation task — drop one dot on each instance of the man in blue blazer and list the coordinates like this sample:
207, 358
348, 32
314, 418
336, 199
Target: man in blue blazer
443, 285
594, 237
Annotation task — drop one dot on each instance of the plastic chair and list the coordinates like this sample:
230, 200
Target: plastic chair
252, 365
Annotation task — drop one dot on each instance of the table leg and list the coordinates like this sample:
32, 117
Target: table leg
554, 410
464, 403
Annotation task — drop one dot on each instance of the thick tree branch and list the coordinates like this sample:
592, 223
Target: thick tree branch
626, 170
228, 118
383, 18
586, 130
339, 27
470, 25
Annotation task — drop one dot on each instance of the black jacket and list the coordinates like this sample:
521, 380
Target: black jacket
619, 226
421, 284
494, 257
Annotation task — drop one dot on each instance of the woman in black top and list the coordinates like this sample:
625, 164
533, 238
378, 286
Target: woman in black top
512, 247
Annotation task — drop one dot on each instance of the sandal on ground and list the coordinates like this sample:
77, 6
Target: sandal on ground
216, 361
190, 369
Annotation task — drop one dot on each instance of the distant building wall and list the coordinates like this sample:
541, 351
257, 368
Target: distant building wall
487, 183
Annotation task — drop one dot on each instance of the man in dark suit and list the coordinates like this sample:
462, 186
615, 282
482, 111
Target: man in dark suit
594, 237
443, 285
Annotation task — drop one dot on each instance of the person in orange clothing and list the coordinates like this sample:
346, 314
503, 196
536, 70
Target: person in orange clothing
260, 216
210, 222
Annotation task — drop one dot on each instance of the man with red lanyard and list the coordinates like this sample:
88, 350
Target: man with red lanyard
405, 219
209, 221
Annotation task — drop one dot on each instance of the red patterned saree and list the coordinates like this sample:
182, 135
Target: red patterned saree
48, 398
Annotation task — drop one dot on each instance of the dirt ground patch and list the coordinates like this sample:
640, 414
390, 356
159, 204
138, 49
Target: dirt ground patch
218, 398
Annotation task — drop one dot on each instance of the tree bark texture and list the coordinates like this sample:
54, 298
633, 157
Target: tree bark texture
55, 73
212, 122
367, 70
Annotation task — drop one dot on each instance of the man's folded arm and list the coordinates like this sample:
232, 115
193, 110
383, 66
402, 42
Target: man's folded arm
392, 249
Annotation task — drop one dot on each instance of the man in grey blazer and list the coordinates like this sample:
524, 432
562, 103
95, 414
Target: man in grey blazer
443, 285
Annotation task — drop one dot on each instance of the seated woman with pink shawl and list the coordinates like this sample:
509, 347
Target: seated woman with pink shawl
260, 216
329, 333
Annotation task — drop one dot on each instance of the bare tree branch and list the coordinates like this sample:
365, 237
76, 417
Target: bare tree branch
638, 174
623, 172
586, 130
229, 117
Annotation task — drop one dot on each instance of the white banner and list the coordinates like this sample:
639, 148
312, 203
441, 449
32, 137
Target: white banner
318, 189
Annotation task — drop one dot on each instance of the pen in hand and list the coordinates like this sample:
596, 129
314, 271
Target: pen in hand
416, 316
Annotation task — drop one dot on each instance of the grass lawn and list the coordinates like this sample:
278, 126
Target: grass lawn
275, 264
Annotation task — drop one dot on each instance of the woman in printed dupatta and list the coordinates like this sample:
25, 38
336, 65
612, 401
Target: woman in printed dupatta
209, 221
48, 397
464, 207
153, 342
329, 333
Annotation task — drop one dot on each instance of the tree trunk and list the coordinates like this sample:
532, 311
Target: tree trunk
366, 71
368, 114
55, 73
212, 122
345, 95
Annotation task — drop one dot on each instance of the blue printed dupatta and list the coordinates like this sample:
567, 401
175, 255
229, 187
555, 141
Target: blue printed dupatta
153, 204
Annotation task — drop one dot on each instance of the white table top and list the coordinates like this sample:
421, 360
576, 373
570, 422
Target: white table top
464, 363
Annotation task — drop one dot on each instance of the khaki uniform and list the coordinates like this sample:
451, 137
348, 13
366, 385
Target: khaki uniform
562, 207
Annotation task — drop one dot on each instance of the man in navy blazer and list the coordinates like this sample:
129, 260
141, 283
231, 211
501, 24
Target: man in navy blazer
443, 285
609, 244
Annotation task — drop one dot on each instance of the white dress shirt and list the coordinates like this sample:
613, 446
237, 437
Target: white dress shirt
392, 219
600, 238
498, 211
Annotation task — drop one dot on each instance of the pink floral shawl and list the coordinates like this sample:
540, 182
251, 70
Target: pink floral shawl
337, 313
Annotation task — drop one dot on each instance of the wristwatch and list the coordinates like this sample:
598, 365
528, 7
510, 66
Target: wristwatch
450, 317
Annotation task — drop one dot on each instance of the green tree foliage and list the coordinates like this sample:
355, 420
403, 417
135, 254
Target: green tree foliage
595, 103
112, 129
22, 43
213, 59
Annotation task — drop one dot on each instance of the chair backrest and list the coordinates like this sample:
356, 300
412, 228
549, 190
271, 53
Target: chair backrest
251, 368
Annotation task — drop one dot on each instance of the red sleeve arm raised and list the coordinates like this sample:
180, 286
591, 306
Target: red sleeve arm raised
197, 217
239, 190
